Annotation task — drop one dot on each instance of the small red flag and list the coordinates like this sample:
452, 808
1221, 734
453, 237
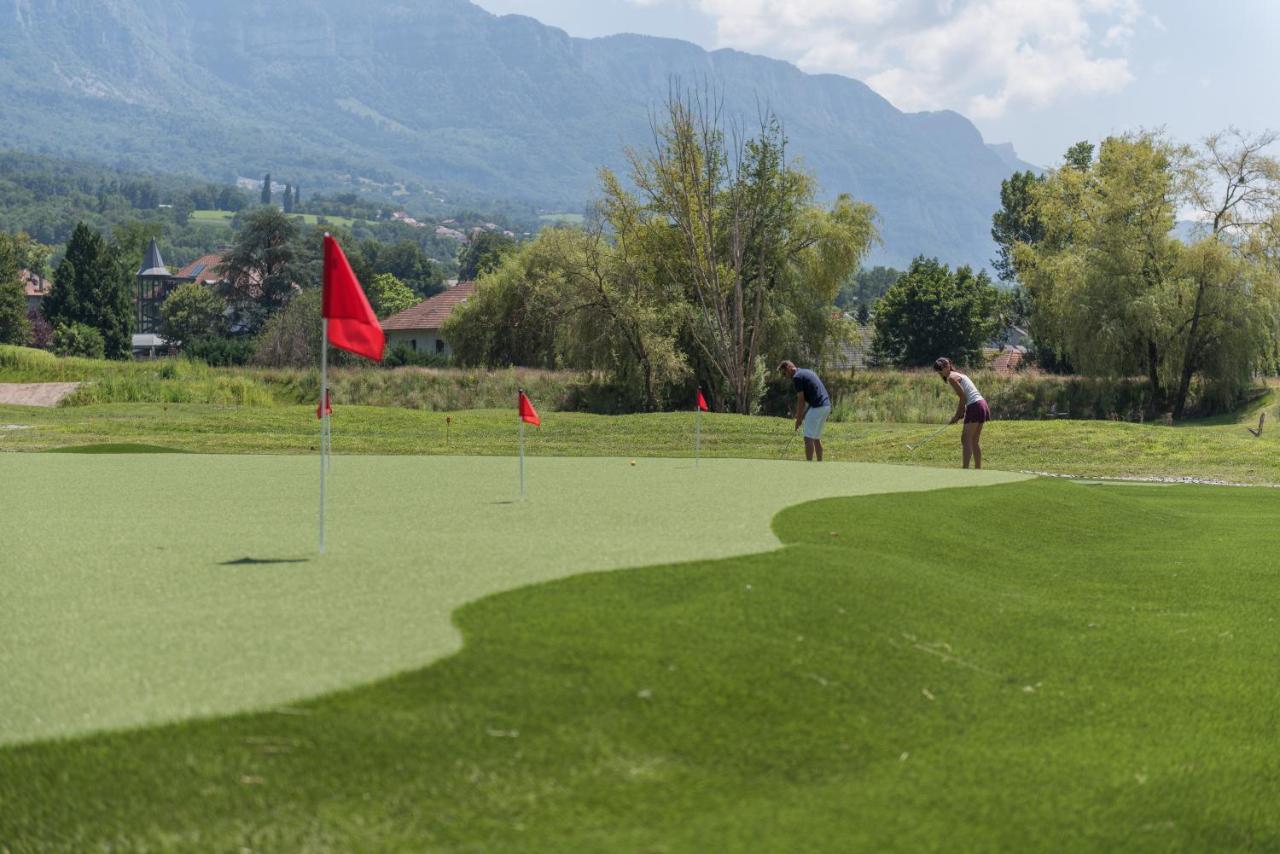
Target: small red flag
702, 401
352, 324
527, 412
326, 408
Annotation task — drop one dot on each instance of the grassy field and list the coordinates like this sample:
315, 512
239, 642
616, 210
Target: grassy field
1221, 450
847, 657
871, 396
224, 218
1031, 666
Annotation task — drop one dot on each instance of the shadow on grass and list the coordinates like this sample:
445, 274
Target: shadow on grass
255, 561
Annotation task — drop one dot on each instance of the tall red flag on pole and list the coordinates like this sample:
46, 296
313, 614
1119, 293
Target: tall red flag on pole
527, 413
352, 324
347, 321
697, 427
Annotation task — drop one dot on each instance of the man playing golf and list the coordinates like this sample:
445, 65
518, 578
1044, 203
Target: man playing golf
813, 405
972, 408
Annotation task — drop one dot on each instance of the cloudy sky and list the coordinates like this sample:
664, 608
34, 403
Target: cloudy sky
1038, 73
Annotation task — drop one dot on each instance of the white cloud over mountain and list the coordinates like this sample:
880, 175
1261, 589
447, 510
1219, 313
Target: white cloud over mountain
978, 56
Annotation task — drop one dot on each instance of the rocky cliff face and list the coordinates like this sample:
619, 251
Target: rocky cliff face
442, 92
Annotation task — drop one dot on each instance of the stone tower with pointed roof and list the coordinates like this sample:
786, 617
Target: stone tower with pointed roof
155, 282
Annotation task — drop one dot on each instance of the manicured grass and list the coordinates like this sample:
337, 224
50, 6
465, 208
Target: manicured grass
116, 448
1096, 448
181, 585
1032, 666
209, 217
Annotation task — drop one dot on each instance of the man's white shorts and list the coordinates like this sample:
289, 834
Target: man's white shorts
814, 418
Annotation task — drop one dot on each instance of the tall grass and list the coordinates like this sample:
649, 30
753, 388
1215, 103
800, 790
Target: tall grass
867, 396
921, 397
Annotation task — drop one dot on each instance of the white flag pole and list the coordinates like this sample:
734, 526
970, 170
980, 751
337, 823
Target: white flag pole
324, 418
697, 436
521, 459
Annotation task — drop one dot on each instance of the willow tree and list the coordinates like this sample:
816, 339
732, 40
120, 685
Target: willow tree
1123, 295
742, 236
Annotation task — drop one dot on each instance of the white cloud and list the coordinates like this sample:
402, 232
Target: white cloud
978, 56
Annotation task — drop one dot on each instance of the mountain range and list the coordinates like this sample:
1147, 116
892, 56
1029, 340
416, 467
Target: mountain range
439, 99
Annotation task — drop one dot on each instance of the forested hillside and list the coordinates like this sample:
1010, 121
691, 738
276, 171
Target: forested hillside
440, 103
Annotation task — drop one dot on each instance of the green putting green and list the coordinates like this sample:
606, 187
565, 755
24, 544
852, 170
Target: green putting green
1030, 666
139, 589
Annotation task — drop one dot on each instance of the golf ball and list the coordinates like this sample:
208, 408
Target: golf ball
633, 462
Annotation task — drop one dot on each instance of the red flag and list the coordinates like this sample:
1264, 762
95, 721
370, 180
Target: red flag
527, 412
702, 401
326, 408
352, 324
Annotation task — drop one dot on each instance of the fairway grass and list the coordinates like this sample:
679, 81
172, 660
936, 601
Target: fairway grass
147, 588
1037, 665
1216, 450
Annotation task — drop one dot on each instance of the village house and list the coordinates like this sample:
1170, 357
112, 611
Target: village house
155, 284
36, 287
418, 328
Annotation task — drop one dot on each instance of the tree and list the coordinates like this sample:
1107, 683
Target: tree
621, 314
516, 314
132, 238
261, 264
482, 253
864, 314
406, 261
866, 286
288, 199
291, 337
265, 198
41, 331
752, 251
388, 295
92, 287
931, 312
1123, 295
15, 328
1015, 222
77, 339
1233, 270
1079, 156
192, 312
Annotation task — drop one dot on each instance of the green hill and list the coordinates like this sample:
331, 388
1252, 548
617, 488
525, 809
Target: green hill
440, 99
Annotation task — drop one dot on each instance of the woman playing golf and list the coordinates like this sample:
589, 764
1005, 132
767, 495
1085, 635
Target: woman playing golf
973, 409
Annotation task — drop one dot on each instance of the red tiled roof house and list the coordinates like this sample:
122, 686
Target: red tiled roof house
418, 328
35, 287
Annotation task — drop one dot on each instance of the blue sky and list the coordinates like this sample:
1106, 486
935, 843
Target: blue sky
1041, 74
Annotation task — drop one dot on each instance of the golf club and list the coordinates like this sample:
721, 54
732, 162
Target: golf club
786, 446
932, 436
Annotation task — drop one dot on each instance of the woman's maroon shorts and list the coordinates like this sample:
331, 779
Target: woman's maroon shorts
977, 412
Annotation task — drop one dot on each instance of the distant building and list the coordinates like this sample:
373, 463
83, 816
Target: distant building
36, 287
204, 271
155, 283
418, 328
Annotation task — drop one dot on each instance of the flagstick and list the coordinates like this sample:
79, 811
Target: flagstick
521, 459
324, 417
697, 436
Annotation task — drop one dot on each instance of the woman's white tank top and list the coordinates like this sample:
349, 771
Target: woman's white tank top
970, 390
